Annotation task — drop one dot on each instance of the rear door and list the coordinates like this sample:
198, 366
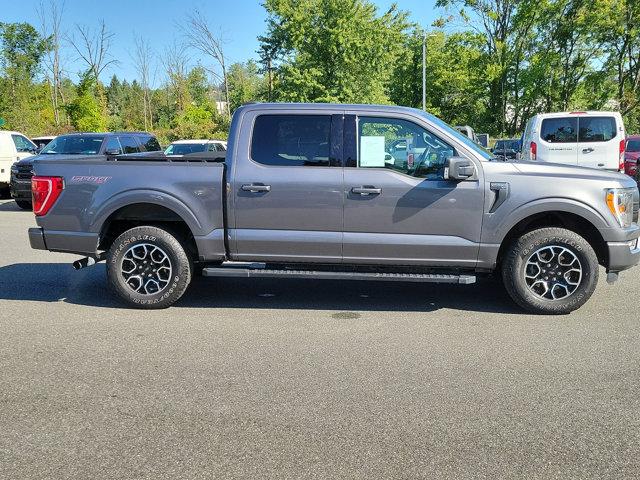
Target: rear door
558, 140
599, 142
287, 187
405, 212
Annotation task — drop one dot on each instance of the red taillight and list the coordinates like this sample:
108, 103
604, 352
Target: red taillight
533, 148
621, 156
631, 167
44, 193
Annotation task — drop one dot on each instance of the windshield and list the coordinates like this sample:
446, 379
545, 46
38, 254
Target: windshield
633, 145
185, 148
459, 136
74, 145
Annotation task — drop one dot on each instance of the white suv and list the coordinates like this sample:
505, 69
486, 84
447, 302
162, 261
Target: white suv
14, 146
586, 139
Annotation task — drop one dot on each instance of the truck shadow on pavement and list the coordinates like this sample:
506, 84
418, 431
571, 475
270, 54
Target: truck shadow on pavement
58, 282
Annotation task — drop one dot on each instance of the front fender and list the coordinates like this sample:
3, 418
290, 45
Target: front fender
497, 227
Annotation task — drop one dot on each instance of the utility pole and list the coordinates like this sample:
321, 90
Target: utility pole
424, 70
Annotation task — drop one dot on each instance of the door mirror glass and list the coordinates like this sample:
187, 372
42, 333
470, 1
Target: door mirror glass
459, 168
112, 151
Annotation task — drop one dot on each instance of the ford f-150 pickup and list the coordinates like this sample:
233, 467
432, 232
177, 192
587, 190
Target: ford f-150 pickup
352, 192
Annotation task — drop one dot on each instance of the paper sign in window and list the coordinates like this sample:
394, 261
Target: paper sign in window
372, 151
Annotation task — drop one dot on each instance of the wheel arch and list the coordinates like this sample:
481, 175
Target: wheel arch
557, 218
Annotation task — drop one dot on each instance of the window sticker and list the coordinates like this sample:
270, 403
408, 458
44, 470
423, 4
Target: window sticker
372, 153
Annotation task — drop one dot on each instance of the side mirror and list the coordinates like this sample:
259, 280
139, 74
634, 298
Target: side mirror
113, 152
458, 168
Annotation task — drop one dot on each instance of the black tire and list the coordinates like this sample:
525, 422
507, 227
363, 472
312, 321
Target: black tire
163, 243
24, 204
528, 296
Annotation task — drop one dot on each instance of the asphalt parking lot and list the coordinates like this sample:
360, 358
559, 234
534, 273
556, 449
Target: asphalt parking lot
305, 379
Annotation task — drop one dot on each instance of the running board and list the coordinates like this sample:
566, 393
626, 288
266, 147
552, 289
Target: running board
324, 275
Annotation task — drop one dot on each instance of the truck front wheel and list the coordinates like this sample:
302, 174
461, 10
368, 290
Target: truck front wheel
148, 268
550, 270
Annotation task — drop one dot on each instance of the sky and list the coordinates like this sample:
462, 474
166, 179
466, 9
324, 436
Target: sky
239, 22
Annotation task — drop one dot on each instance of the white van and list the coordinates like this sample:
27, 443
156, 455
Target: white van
14, 146
586, 139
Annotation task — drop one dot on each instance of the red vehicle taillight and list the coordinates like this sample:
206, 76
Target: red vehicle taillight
533, 148
631, 167
44, 193
621, 157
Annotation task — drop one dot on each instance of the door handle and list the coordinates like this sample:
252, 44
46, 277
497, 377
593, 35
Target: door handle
366, 190
587, 150
255, 188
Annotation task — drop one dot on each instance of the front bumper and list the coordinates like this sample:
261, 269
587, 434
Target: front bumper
20, 189
623, 255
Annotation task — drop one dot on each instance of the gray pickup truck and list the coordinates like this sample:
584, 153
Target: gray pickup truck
313, 191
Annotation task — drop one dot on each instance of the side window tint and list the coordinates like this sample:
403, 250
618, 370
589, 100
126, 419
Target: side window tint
559, 130
596, 129
22, 144
291, 140
401, 146
129, 144
113, 146
150, 144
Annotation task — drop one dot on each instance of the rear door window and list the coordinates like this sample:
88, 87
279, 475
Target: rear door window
597, 129
291, 140
559, 130
113, 146
149, 143
129, 144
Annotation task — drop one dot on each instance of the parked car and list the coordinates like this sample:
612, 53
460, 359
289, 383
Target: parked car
632, 156
76, 146
42, 142
507, 149
186, 147
587, 139
469, 132
14, 146
306, 192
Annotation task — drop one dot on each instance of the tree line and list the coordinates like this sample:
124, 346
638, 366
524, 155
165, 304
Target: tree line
490, 64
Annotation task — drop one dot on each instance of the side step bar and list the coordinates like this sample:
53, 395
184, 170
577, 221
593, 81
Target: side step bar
323, 275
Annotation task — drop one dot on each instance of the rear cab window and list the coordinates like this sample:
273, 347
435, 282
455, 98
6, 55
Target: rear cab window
291, 140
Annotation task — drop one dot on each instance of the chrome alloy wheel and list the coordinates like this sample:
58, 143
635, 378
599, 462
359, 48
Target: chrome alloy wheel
553, 273
146, 269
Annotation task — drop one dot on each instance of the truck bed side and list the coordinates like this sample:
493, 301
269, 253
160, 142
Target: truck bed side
99, 191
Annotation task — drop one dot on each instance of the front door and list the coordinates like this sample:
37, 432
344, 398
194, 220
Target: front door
287, 189
399, 209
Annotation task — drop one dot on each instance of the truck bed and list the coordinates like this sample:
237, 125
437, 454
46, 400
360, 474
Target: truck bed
97, 187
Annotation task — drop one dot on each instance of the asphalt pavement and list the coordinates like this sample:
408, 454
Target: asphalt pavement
308, 379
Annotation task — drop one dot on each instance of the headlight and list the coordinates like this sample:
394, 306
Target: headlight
620, 203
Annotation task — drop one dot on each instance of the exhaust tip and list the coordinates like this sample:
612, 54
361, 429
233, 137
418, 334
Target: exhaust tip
83, 262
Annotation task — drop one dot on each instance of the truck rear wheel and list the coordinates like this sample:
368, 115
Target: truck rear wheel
148, 268
550, 270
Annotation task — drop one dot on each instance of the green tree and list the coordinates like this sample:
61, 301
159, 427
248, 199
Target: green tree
333, 50
85, 111
245, 84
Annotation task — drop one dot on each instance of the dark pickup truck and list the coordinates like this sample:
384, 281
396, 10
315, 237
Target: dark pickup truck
315, 191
